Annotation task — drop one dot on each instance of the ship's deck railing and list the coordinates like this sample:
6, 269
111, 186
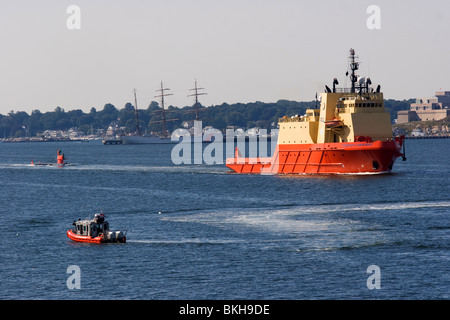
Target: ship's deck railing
289, 119
357, 89
345, 90
299, 118
362, 96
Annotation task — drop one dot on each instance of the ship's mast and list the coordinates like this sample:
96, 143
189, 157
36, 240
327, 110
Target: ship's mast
136, 114
354, 65
196, 94
163, 112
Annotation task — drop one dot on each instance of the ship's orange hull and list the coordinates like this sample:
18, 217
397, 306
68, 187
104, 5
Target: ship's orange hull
327, 158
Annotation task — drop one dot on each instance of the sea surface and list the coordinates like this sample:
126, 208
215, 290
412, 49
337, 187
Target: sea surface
199, 232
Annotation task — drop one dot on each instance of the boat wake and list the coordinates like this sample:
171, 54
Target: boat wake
326, 227
154, 169
194, 169
300, 219
187, 241
327, 208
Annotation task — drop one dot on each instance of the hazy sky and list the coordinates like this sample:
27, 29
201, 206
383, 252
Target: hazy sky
238, 50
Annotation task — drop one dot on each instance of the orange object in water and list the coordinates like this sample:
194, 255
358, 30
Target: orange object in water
325, 158
95, 231
60, 158
349, 133
75, 237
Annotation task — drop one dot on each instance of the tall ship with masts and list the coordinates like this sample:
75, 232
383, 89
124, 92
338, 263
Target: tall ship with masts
350, 133
197, 106
163, 137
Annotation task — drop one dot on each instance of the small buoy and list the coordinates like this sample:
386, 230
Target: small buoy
17, 234
159, 212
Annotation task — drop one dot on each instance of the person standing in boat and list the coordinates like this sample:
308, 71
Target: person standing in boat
60, 158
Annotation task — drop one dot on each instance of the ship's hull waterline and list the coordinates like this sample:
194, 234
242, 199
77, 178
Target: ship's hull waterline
329, 158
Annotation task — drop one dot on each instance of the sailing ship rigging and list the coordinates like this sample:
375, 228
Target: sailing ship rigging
197, 105
139, 138
163, 111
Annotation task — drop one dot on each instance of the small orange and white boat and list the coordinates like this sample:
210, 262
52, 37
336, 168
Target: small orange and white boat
95, 231
60, 161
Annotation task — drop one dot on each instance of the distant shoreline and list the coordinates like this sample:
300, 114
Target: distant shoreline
21, 140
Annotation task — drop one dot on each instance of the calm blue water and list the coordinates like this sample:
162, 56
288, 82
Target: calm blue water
221, 235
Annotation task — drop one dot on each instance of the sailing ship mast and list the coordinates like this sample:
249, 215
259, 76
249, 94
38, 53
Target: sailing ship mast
196, 94
163, 112
136, 114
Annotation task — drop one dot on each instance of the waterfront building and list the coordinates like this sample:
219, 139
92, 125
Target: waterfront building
427, 109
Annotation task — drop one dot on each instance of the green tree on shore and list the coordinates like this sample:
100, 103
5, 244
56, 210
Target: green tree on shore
255, 114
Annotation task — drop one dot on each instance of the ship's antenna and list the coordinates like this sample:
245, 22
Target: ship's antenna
136, 114
163, 113
196, 94
353, 66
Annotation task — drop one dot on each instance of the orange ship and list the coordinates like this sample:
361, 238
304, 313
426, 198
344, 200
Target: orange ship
351, 133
